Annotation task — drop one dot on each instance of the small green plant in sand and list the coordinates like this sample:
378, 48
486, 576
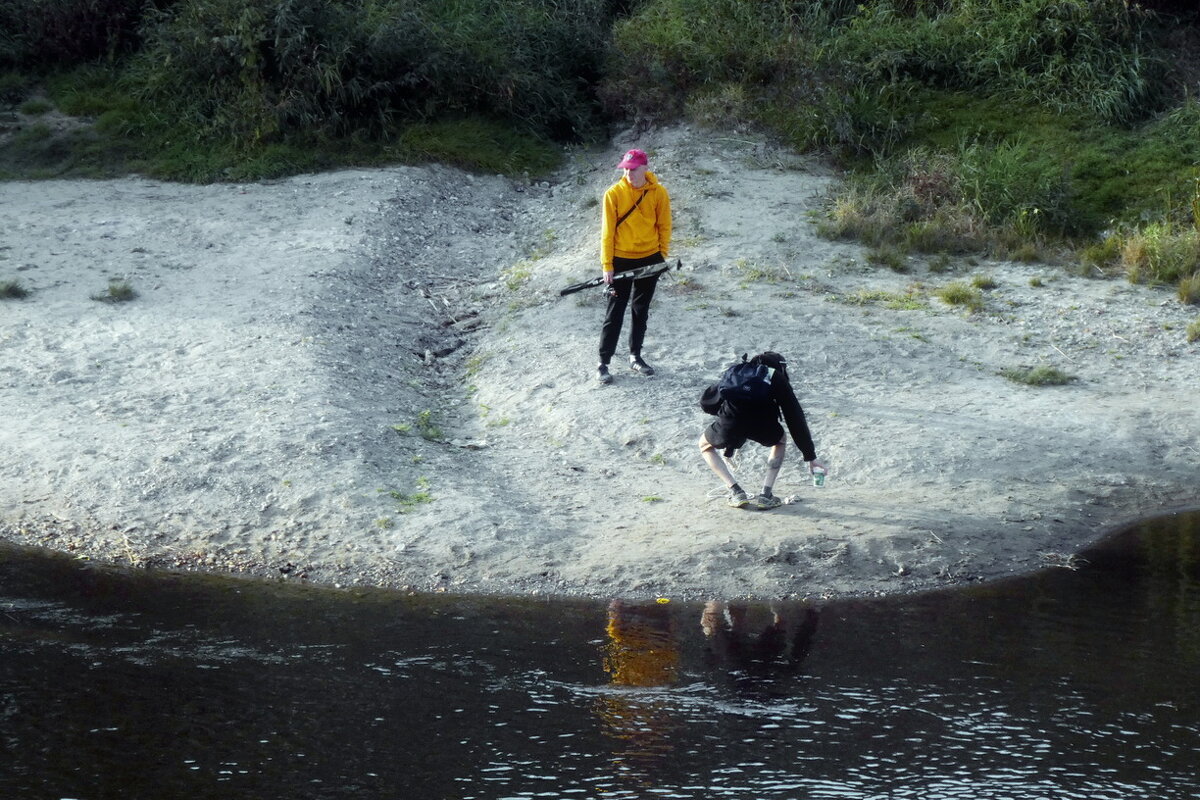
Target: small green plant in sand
908, 300
545, 247
1193, 330
517, 275
960, 294
385, 523
1036, 282
753, 272
119, 291
12, 290
426, 426
684, 284
407, 501
651, 498
475, 364
1037, 376
984, 282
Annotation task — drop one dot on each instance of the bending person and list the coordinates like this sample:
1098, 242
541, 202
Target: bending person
738, 421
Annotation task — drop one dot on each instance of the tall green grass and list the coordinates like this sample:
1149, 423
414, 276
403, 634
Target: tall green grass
1045, 116
251, 71
211, 89
842, 74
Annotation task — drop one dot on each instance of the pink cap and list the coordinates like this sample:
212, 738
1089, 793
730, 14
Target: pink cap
634, 159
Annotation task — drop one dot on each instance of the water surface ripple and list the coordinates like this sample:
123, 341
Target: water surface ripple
1066, 684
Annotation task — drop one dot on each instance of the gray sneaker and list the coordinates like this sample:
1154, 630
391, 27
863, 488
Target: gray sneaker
602, 374
738, 499
765, 502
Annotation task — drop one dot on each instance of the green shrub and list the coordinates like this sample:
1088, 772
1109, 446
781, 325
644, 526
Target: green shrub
1064, 54
1189, 289
1037, 376
261, 71
1010, 182
60, 33
1104, 254
1160, 253
1193, 330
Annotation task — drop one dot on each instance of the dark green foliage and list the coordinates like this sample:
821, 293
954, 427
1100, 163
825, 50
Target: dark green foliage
476, 144
1067, 55
844, 75
258, 72
14, 88
62, 33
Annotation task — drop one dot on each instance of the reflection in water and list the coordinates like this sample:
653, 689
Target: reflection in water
1066, 684
641, 654
733, 645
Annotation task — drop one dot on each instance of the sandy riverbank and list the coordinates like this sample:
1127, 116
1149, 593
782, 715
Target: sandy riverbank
347, 378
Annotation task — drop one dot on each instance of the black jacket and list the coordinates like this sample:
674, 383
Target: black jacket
783, 403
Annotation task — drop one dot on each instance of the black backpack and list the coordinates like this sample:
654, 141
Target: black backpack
746, 382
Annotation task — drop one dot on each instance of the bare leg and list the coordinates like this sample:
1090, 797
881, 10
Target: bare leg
715, 461
774, 463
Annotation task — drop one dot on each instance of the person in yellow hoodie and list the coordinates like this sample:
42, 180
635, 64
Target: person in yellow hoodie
635, 231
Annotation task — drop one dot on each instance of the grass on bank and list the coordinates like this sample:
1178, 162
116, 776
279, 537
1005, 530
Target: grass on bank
119, 291
12, 290
204, 90
961, 294
117, 134
1037, 376
1032, 130
1017, 130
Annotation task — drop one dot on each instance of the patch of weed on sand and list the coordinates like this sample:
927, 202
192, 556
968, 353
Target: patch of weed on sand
119, 291
1037, 376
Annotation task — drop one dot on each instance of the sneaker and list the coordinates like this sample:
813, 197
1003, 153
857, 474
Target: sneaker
765, 502
602, 374
637, 365
738, 499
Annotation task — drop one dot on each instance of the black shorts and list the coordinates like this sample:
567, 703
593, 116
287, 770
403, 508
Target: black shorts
729, 433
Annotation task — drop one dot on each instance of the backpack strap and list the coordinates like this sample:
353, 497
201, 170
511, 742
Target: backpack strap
623, 217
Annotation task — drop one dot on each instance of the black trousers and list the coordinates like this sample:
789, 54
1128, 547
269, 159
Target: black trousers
641, 292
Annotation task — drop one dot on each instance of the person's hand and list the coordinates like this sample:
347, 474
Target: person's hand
608, 276
812, 465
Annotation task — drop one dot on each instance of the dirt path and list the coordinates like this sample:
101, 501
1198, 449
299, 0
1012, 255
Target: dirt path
368, 377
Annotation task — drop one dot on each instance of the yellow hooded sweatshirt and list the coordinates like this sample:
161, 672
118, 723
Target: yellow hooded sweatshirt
644, 232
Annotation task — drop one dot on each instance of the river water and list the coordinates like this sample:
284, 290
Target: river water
1071, 683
